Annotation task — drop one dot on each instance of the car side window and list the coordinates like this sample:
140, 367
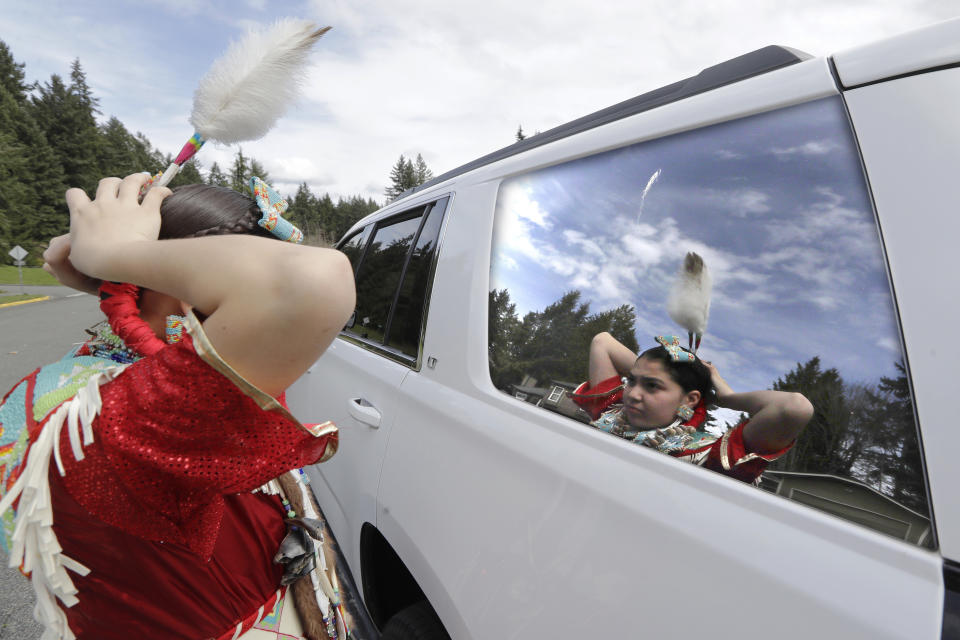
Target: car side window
393, 261
777, 208
353, 246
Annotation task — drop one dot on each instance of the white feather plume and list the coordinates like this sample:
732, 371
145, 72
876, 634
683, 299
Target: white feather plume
250, 86
689, 300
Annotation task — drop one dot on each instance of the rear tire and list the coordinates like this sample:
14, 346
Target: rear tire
416, 622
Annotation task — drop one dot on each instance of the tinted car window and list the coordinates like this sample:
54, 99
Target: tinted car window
379, 274
353, 246
777, 207
394, 270
404, 330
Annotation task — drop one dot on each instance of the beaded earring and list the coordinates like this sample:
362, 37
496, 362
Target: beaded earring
684, 412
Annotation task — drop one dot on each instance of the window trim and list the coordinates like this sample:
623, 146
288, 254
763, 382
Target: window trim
434, 206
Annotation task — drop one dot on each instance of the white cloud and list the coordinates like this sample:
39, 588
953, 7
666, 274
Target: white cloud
812, 148
888, 343
449, 80
647, 252
726, 154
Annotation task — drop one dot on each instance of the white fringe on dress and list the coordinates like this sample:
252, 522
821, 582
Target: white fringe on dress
34, 544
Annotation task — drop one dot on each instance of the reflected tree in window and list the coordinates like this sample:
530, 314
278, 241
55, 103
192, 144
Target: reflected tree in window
861, 431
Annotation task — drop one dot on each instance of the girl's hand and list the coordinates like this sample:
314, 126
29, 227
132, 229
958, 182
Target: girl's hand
115, 218
57, 263
719, 384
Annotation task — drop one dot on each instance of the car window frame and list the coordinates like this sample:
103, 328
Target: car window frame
436, 205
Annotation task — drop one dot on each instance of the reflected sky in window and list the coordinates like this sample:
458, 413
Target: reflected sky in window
774, 203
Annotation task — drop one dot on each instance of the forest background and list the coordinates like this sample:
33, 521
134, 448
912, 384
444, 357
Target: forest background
53, 136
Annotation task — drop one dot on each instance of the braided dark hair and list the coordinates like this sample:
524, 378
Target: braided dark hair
197, 210
191, 211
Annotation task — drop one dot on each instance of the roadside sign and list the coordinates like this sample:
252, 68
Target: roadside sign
18, 253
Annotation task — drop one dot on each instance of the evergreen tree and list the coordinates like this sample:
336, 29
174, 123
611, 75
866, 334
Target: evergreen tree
245, 167
421, 171
240, 172
32, 185
327, 217
502, 325
825, 445
257, 169
122, 153
12, 76
303, 213
401, 178
15, 196
81, 90
553, 344
895, 456
189, 173
407, 174
66, 115
217, 177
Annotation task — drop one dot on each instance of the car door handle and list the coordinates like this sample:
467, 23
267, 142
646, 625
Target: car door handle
364, 412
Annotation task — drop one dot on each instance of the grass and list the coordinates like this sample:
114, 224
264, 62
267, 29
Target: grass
31, 275
20, 297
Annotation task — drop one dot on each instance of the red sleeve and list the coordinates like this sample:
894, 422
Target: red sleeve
595, 400
729, 456
173, 436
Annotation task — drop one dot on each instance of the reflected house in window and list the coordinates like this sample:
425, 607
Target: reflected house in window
852, 501
553, 397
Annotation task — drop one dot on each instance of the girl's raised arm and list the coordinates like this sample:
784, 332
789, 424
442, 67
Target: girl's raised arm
271, 307
776, 417
608, 358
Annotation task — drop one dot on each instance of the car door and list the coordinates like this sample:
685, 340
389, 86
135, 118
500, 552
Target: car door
355, 382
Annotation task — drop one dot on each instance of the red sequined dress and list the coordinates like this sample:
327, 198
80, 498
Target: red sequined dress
152, 513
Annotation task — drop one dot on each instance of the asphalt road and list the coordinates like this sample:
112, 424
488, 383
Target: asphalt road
31, 335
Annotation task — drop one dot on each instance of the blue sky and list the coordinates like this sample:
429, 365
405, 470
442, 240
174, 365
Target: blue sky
450, 80
775, 204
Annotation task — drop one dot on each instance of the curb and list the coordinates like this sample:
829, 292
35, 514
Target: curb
13, 304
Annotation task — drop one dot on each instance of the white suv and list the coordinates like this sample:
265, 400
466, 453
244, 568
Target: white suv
469, 497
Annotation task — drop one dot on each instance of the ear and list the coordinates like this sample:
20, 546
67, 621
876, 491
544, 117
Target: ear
691, 399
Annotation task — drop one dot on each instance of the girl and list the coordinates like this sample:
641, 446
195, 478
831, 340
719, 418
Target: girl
659, 400
157, 447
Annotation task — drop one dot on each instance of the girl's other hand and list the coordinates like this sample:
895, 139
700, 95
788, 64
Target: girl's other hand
57, 263
719, 384
111, 220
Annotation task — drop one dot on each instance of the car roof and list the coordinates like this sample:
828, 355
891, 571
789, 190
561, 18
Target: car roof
734, 70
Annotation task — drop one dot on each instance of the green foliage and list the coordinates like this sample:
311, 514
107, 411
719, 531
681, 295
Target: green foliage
12, 77
217, 177
122, 153
66, 115
553, 344
407, 174
858, 431
189, 173
31, 210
